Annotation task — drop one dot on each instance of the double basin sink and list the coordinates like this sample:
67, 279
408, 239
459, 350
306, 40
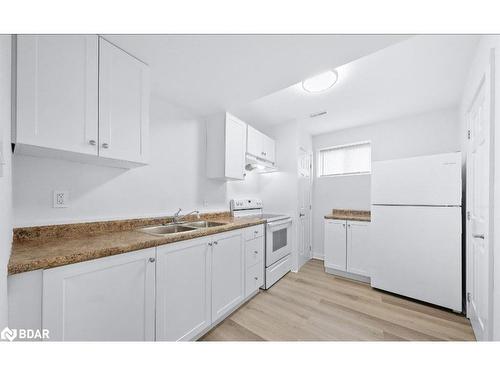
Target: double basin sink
169, 229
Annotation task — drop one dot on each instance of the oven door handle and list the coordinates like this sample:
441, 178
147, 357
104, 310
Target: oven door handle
279, 223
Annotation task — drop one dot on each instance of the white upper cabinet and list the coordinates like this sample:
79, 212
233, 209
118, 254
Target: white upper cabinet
57, 92
260, 145
226, 144
79, 97
123, 105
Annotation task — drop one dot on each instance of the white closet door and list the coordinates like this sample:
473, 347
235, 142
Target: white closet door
123, 105
57, 95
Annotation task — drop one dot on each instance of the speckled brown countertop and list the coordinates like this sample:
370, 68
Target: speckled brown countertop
341, 214
58, 245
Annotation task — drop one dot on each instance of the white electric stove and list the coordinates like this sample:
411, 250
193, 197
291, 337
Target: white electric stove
278, 259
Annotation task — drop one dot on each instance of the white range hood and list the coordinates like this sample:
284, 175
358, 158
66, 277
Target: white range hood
259, 165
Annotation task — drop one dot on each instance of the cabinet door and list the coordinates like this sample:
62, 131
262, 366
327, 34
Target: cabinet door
57, 96
358, 256
236, 133
123, 105
107, 299
254, 142
335, 245
268, 148
183, 287
228, 274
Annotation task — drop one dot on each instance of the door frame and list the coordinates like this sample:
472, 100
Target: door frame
310, 183
489, 79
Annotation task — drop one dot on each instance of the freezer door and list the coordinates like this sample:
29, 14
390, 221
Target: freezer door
426, 180
416, 252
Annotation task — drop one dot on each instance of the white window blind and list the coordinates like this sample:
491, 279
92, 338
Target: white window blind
345, 160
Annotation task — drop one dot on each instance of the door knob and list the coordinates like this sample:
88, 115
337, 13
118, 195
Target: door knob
152, 260
476, 235
302, 215
92, 142
105, 145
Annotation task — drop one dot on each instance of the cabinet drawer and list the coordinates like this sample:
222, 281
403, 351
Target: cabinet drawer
254, 232
254, 278
254, 251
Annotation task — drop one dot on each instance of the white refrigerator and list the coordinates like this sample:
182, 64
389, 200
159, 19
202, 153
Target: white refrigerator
416, 228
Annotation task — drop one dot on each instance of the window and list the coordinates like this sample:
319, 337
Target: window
345, 160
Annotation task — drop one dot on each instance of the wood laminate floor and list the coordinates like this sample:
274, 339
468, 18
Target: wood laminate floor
313, 305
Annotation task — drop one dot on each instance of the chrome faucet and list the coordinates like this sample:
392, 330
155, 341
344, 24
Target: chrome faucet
177, 215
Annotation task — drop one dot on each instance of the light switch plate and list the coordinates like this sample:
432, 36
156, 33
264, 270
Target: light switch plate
61, 198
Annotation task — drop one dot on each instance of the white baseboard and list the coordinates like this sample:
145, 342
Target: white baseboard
319, 256
348, 275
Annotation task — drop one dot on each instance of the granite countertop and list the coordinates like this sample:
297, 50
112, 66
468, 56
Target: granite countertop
355, 215
52, 246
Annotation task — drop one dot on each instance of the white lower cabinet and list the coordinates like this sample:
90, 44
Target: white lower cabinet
183, 290
228, 273
347, 246
254, 259
254, 278
173, 292
106, 299
335, 244
358, 250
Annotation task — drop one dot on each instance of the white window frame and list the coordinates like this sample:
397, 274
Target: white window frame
318, 159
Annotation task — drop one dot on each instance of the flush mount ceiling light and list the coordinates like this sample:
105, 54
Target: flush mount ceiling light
321, 82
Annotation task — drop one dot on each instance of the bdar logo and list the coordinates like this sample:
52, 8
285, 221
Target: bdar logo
8, 334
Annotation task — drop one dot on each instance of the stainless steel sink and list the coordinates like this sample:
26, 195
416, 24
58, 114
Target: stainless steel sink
203, 224
163, 230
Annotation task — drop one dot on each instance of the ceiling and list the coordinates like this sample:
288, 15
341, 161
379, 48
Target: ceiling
416, 75
210, 73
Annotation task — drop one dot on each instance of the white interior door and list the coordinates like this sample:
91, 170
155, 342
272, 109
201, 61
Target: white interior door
305, 204
479, 265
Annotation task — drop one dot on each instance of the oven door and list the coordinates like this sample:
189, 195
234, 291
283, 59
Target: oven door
278, 240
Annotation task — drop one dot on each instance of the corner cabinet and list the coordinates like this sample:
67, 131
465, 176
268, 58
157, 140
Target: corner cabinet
106, 299
183, 290
72, 93
226, 146
346, 247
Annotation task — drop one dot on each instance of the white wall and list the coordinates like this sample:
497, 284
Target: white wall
427, 133
175, 178
486, 44
5, 172
280, 189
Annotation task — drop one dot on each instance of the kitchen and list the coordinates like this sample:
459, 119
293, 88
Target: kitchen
146, 207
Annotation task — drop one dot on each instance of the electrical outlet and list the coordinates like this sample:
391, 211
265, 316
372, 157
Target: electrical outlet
61, 198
